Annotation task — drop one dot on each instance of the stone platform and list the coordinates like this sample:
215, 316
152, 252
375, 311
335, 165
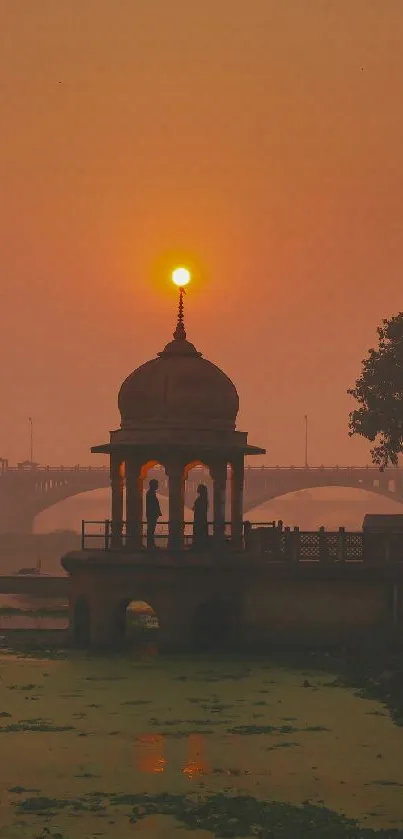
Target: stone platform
233, 599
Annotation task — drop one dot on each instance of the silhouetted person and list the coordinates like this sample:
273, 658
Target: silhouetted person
153, 512
200, 525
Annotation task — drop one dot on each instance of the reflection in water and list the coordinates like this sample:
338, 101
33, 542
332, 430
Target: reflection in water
150, 753
150, 758
196, 763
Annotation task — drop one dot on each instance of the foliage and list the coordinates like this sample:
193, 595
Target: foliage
225, 816
379, 393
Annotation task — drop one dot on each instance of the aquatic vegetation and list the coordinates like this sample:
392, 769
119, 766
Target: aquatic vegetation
221, 677
29, 726
225, 816
184, 733
24, 687
240, 816
105, 678
286, 744
21, 790
46, 833
273, 729
156, 722
387, 783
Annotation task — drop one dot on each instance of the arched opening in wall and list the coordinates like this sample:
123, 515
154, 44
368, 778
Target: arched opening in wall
215, 625
197, 475
81, 623
137, 624
155, 528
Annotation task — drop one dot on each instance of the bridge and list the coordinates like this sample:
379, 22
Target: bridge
27, 490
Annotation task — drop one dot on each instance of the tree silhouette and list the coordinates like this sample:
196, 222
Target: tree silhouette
379, 393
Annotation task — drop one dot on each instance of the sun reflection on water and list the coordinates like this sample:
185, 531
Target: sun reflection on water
150, 753
196, 763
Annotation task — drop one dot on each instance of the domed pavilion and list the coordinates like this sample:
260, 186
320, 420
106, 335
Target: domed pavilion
177, 410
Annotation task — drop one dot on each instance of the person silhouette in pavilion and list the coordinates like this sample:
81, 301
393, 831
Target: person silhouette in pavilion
153, 512
200, 524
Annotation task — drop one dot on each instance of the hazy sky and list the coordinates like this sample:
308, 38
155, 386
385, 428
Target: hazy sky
263, 140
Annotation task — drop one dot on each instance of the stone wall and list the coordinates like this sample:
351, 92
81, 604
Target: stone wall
248, 604
315, 611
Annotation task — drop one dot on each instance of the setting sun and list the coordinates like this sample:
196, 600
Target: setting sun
181, 276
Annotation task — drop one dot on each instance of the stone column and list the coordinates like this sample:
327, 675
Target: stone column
218, 472
116, 471
237, 484
134, 503
176, 495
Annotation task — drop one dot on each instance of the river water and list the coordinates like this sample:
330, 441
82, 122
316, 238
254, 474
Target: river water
165, 747
113, 747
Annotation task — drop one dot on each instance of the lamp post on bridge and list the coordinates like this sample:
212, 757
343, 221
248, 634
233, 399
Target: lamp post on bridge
306, 441
31, 440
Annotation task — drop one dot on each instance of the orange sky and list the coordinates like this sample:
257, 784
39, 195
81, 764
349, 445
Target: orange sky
263, 139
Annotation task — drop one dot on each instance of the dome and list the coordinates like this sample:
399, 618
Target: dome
178, 389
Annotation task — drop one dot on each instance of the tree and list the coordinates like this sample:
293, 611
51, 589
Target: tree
379, 393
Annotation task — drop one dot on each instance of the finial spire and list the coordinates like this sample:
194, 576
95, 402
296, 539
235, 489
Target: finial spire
180, 332
180, 346
181, 277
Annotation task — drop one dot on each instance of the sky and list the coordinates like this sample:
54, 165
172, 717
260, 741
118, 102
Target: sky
260, 142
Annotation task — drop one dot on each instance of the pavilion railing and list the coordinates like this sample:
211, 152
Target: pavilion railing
262, 539
103, 535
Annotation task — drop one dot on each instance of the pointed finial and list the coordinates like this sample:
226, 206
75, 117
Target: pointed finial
180, 331
181, 277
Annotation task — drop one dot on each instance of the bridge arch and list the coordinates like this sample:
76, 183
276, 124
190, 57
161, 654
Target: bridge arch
45, 510
264, 498
275, 483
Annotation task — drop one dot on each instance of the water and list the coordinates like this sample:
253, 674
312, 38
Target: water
182, 726
27, 612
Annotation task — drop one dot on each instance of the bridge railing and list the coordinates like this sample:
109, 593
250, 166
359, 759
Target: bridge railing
35, 467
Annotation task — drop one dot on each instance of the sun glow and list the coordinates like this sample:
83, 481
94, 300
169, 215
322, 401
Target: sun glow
181, 276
